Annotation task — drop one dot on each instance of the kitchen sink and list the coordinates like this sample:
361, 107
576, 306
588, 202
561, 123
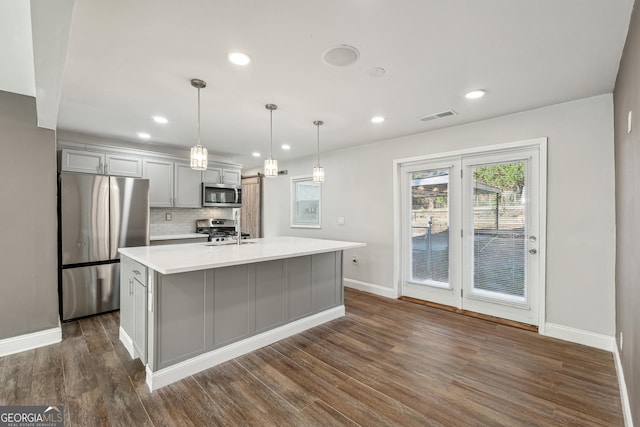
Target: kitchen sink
229, 243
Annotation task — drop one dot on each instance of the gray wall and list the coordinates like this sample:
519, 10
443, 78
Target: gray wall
627, 161
28, 225
580, 203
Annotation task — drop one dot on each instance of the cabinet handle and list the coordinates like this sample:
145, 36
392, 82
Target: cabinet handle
130, 287
136, 272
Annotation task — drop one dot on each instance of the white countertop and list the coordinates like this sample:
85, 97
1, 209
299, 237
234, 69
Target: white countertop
178, 236
170, 259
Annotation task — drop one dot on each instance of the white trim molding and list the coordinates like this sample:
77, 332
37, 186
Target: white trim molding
580, 336
382, 291
166, 376
624, 395
30, 341
126, 340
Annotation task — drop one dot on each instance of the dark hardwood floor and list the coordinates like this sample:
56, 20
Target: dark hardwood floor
387, 362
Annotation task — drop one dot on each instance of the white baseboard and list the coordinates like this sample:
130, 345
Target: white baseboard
126, 340
30, 341
383, 291
624, 396
166, 376
580, 336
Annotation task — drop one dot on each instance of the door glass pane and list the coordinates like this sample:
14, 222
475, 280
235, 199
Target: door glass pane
499, 228
430, 227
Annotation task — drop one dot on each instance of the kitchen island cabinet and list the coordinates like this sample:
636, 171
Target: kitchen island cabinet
133, 308
208, 304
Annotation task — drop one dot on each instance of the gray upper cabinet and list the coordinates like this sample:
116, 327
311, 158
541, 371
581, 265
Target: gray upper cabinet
160, 176
212, 174
120, 165
172, 184
222, 175
187, 186
100, 163
82, 161
231, 176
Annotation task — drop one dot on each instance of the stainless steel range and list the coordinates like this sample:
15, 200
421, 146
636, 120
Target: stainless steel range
222, 231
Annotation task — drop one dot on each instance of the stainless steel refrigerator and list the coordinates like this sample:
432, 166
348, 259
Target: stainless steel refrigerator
97, 215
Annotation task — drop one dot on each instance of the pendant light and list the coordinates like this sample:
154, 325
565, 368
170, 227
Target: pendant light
199, 153
318, 171
271, 164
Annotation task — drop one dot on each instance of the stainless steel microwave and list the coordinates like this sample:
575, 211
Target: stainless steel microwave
221, 195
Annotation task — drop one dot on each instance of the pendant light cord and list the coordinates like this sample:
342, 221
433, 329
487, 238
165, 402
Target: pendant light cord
199, 116
318, 126
271, 133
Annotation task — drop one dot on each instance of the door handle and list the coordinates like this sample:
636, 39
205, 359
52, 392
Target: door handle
533, 251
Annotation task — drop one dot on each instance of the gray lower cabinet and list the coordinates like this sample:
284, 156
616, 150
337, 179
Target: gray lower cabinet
133, 305
199, 311
126, 295
140, 319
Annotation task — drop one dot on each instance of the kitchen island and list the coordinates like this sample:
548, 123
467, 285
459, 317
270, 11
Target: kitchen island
188, 307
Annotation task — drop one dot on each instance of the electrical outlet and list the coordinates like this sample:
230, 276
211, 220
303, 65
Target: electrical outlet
354, 260
621, 340
168, 216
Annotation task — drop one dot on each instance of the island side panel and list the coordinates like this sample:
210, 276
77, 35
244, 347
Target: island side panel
181, 313
327, 280
202, 311
299, 287
231, 304
271, 294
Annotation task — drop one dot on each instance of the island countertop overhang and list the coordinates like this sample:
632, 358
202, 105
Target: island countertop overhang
183, 258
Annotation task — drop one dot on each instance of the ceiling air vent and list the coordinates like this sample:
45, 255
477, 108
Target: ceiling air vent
441, 115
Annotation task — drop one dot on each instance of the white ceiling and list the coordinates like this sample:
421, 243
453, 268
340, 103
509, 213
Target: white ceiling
126, 61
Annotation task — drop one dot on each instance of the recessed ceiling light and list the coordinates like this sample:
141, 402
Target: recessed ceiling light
143, 135
377, 119
286, 147
160, 119
239, 58
255, 154
475, 94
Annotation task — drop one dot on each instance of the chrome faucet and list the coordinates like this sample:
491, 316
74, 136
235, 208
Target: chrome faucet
236, 216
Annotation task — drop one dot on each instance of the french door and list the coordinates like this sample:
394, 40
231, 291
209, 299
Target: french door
471, 232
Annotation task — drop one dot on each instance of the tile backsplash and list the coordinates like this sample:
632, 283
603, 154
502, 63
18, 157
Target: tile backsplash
182, 220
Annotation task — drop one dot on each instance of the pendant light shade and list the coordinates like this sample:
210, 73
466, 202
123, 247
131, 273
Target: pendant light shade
199, 153
271, 164
270, 167
318, 171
